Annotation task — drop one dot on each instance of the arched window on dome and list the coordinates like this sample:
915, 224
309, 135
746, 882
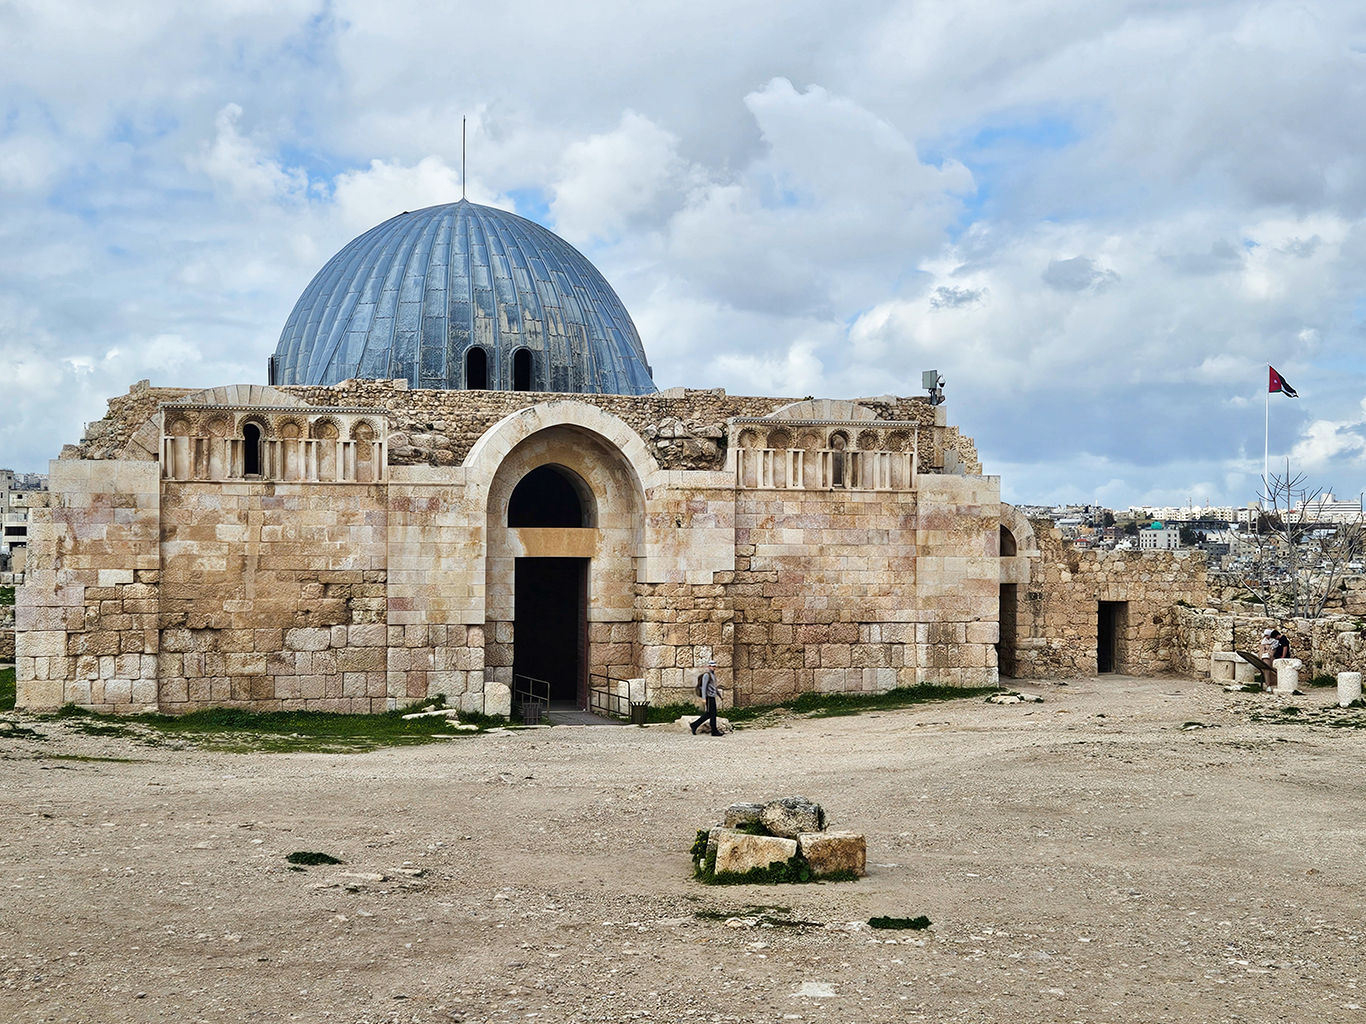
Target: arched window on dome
521, 370
476, 370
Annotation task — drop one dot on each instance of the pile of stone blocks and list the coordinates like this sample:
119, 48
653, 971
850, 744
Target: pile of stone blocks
794, 825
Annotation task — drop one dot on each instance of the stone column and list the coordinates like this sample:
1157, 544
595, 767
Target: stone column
1349, 688
1287, 675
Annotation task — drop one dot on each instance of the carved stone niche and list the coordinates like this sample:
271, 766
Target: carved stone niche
254, 432
825, 445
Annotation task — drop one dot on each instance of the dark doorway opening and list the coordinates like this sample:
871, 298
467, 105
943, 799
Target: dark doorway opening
550, 627
1111, 618
550, 496
1008, 547
476, 370
251, 450
521, 370
1009, 624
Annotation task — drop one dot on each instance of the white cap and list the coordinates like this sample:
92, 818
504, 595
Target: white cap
1266, 632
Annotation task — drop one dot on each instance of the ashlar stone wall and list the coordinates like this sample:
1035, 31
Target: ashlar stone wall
1327, 645
1057, 621
168, 574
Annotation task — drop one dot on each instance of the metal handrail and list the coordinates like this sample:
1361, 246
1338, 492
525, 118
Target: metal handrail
530, 690
603, 701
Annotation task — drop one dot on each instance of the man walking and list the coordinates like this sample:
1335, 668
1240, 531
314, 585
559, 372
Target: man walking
707, 688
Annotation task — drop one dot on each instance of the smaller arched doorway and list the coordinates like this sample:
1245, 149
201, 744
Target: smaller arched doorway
550, 593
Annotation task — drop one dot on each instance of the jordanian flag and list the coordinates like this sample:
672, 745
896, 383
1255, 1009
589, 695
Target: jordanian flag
1279, 383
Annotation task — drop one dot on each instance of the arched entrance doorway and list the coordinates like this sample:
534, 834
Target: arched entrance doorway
579, 476
550, 591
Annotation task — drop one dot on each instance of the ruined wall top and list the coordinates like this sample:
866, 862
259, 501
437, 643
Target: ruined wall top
685, 428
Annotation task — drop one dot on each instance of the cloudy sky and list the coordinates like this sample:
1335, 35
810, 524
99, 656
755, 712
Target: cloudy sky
1098, 220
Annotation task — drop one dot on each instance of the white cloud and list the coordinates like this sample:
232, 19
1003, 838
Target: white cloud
611, 180
1099, 220
239, 164
383, 190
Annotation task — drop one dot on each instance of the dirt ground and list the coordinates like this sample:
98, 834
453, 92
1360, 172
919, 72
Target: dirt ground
1083, 859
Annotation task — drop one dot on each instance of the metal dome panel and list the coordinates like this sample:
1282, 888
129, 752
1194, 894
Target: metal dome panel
411, 297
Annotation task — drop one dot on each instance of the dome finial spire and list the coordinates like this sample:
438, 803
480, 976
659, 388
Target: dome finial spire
462, 157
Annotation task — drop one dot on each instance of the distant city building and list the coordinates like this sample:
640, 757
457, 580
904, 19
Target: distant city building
1159, 537
16, 489
1328, 509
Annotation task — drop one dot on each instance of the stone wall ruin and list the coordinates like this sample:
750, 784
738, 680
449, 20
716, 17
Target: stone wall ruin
349, 548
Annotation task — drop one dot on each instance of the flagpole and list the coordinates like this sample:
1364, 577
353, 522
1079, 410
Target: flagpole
1266, 436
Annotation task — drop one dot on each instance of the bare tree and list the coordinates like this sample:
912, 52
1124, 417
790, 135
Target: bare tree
1299, 561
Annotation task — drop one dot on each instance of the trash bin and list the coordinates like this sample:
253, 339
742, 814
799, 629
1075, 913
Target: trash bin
640, 711
531, 713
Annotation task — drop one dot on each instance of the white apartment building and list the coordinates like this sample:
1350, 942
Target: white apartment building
16, 491
1159, 538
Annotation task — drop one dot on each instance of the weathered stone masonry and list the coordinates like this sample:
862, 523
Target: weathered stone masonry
1054, 628
349, 549
346, 549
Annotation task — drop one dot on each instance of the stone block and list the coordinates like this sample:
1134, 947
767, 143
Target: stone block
983, 633
370, 635
790, 816
737, 852
1223, 666
497, 699
714, 835
1287, 674
41, 695
42, 644
831, 680
308, 639
113, 577
743, 814
362, 659
828, 852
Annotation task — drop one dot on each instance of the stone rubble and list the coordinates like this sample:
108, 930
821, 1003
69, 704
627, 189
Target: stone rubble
796, 825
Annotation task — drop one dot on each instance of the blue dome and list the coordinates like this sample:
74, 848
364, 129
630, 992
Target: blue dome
463, 296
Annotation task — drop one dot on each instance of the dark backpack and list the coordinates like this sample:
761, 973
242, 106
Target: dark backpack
699, 687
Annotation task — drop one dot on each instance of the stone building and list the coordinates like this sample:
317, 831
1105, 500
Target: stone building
408, 513
1086, 611
16, 494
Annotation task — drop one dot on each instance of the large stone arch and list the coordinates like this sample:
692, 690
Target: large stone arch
488, 453
1026, 544
613, 462
1015, 571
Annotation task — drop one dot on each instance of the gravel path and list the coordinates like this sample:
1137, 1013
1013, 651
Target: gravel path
1083, 859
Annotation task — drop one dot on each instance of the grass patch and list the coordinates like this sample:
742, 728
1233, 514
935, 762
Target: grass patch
6, 595
760, 916
829, 705
1332, 717
1324, 680
913, 924
748, 910
235, 730
93, 760
310, 859
7, 689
